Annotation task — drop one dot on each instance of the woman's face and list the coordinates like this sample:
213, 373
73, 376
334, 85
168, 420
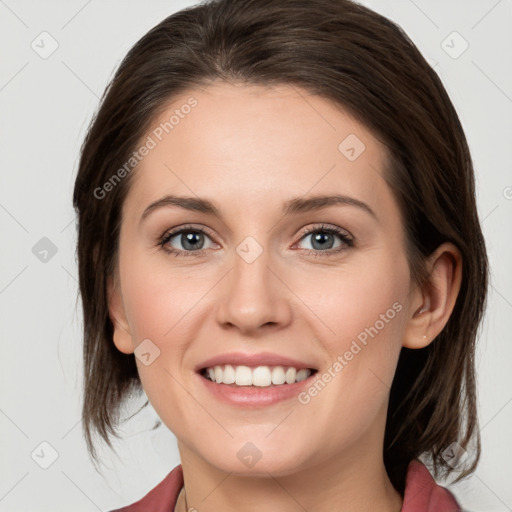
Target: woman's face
262, 277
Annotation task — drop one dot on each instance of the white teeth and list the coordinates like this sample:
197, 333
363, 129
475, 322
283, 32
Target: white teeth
278, 376
301, 375
290, 375
261, 376
228, 375
243, 375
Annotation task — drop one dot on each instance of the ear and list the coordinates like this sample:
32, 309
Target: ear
431, 307
122, 335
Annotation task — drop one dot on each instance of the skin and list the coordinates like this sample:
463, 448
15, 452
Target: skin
248, 149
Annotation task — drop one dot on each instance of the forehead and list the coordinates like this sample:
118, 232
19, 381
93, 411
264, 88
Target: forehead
250, 146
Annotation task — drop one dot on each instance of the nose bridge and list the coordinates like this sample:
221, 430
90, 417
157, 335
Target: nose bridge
254, 296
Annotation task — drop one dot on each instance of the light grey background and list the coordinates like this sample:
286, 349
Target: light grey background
46, 105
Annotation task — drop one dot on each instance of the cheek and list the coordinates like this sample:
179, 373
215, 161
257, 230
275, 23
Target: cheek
360, 323
367, 319
163, 302
356, 300
157, 295
160, 307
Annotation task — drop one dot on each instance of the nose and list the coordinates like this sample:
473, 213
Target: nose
254, 296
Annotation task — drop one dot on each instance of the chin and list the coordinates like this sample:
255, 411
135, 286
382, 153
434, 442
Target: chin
250, 459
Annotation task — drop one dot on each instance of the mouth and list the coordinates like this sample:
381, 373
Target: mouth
241, 376
255, 387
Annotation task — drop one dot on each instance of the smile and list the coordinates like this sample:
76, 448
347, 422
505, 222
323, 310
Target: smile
260, 376
255, 387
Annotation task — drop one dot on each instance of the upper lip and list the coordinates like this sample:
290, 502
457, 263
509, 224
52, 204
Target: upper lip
253, 360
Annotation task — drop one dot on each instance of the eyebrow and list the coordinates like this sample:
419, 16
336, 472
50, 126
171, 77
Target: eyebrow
292, 206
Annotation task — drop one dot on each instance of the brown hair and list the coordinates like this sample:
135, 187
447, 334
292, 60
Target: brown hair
363, 62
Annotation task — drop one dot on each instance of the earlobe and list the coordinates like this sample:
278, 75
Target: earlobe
432, 306
121, 335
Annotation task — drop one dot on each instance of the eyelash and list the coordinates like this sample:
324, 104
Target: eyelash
346, 239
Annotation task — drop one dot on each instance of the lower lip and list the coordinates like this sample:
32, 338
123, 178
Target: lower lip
254, 396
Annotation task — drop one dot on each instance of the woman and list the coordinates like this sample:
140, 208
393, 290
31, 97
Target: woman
279, 243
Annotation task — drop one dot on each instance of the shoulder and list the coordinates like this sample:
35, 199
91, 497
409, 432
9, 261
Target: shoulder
161, 498
423, 494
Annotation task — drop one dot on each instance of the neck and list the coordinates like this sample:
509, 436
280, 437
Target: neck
354, 482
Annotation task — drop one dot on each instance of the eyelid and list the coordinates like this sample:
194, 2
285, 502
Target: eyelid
188, 227
323, 226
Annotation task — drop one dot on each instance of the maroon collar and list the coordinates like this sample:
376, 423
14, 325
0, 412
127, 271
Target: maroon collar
422, 493
161, 498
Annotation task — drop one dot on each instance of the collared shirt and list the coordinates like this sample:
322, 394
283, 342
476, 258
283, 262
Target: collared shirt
422, 493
